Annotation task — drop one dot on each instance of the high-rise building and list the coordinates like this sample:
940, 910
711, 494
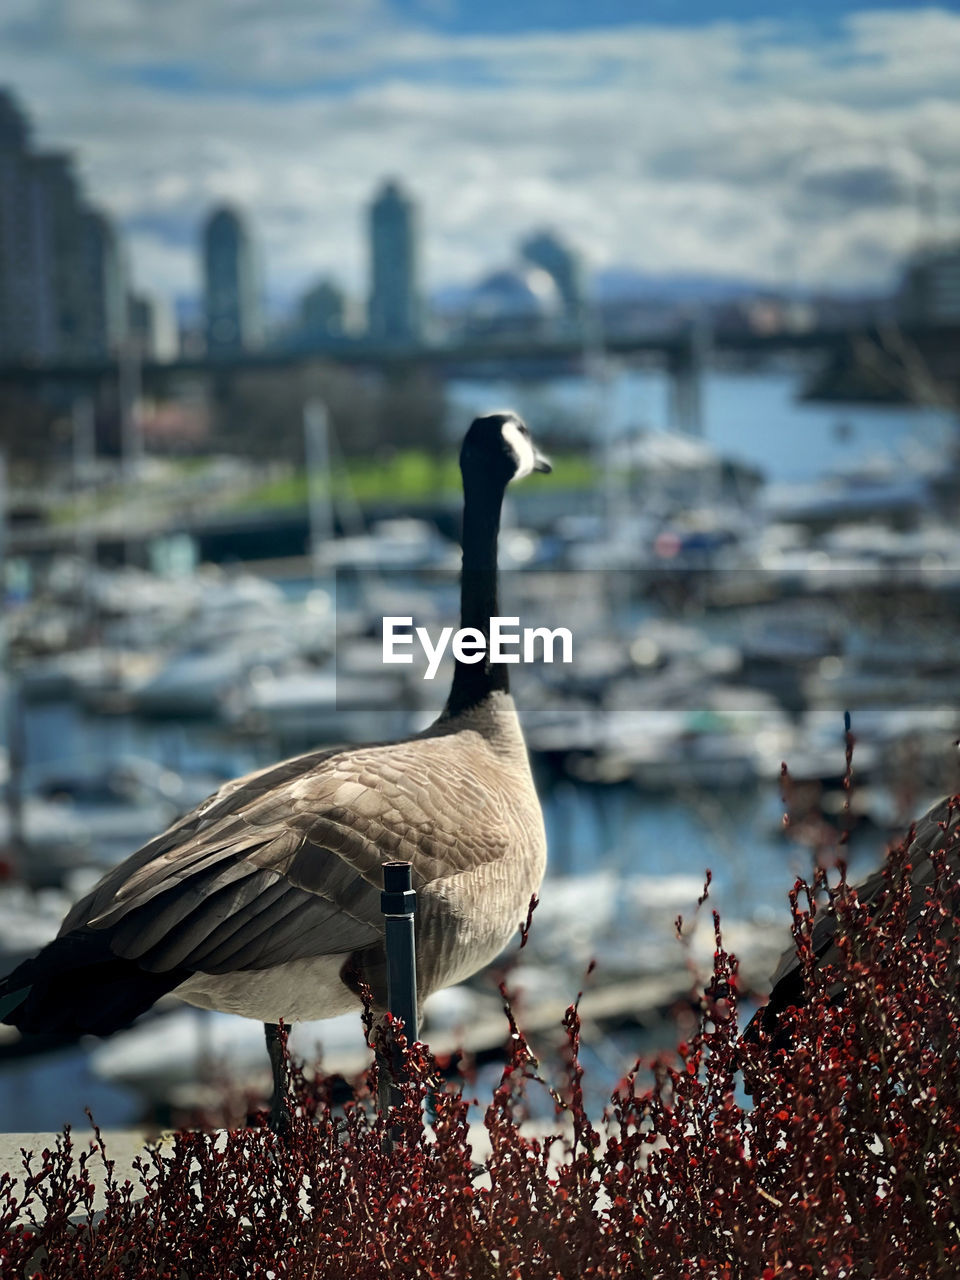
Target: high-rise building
323, 311
396, 311
930, 290
104, 285
231, 286
547, 251
13, 149
59, 217
61, 282
27, 303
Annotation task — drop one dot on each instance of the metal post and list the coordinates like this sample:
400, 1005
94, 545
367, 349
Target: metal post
398, 903
316, 442
130, 389
83, 417
686, 371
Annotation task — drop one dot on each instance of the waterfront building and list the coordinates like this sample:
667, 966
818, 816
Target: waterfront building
322, 314
396, 309
231, 285
61, 262
930, 292
104, 285
26, 286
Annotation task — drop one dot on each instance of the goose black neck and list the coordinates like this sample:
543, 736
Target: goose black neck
472, 682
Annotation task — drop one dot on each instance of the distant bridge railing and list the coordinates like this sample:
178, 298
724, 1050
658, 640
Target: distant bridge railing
670, 348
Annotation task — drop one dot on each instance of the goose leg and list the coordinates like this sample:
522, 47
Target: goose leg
279, 1119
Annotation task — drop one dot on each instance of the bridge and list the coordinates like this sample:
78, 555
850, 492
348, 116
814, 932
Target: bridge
923, 360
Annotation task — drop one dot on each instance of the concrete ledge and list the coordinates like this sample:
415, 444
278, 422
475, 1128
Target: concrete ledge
124, 1145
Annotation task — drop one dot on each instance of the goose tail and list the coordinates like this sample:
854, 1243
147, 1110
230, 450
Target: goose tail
76, 986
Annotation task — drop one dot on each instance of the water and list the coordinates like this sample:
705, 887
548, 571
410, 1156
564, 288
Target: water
754, 418
60, 733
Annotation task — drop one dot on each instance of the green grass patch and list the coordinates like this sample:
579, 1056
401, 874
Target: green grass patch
411, 476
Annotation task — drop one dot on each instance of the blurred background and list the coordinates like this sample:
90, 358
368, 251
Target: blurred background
260, 266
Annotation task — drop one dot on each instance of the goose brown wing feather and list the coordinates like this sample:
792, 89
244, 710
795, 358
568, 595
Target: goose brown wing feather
138, 931
204, 895
294, 925
170, 921
222, 803
221, 917
307, 930
237, 939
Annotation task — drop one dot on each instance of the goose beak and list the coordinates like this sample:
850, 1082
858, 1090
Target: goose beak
541, 462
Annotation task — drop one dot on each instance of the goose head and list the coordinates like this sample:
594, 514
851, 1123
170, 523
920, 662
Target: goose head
498, 448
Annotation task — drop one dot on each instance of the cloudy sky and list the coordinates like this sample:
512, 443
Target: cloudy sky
796, 143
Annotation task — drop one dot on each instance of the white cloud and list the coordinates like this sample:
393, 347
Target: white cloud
752, 148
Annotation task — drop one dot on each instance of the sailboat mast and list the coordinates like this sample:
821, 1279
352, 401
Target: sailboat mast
316, 447
9, 705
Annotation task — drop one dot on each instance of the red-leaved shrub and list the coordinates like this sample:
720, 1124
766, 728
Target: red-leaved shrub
846, 1164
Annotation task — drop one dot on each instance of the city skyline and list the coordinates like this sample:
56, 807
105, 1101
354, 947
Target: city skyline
66, 293
806, 149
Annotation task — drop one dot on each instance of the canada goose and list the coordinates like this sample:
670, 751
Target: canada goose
938, 829
265, 900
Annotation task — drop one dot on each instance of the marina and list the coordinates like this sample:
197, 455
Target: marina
717, 635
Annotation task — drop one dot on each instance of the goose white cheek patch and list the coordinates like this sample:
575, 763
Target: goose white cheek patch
522, 448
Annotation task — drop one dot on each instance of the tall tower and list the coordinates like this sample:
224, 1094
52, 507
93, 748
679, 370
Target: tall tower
231, 290
57, 213
395, 313
14, 277
105, 284
61, 262
29, 311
